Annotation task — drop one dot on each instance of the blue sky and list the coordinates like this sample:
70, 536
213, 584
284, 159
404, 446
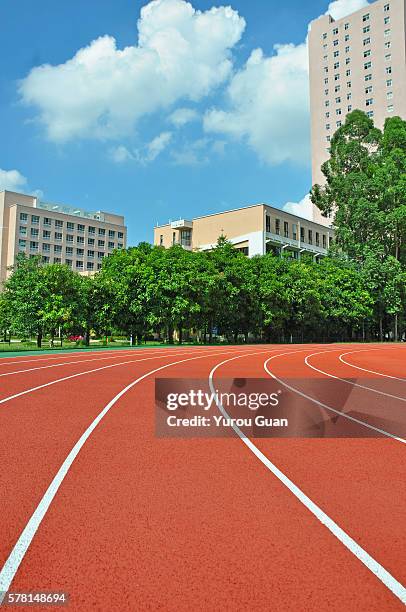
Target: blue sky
201, 114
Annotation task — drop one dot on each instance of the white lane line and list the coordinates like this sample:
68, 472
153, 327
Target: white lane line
353, 384
322, 405
365, 369
376, 568
58, 380
16, 556
77, 362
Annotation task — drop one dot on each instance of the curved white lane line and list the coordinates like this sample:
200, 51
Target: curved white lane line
16, 556
353, 384
376, 568
58, 380
322, 405
76, 362
365, 369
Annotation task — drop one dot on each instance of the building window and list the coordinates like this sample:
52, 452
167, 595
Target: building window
46, 248
46, 235
370, 113
111, 245
369, 101
335, 43
388, 57
23, 230
328, 115
389, 95
100, 243
324, 35
34, 232
347, 37
91, 241
69, 238
390, 108
335, 31
336, 53
80, 252
389, 83
33, 246
368, 89
347, 61
389, 70
386, 20
388, 44
23, 217
346, 26
367, 65
367, 53
327, 126
337, 88
365, 17
120, 245
101, 231
80, 227
349, 95
317, 239
336, 77
338, 124
349, 108
302, 234
286, 229
310, 236
80, 240
336, 65
120, 235
35, 219
57, 248
324, 241
338, 100
387, 33
347, 49
58, 223
112, 234
45, 259
368, 77
90, 265
68, 262
386, 8
367, 41
22, 244
57, 260
58, 236
91, 229
294, 231
70, 226
277, 226
69, 250
326, 69
326, 92
90, 254
338, 111
47, 221
100, 255
161, 240
348, 73
348, 83
327, 103
79, 265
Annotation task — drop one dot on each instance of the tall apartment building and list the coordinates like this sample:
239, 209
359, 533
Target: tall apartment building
357, 62
254, 230
59, 233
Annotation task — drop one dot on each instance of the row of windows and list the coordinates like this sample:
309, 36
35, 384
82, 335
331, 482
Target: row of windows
78, 264
46, 235
46, 248
365, 19
310, 233
47, 221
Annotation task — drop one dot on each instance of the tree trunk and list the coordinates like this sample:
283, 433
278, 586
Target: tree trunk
180, 334
380, 329
396, 334
39, 339
87, 337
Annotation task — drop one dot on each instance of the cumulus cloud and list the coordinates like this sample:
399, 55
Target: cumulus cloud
268, 105
342, 8
304, 208
12, 180
182, 116
147, 154
102, 91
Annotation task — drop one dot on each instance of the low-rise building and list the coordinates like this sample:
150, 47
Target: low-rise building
255, 230
59, 233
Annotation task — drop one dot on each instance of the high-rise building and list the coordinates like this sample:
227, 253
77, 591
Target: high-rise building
357, 62
59, 233
254, 230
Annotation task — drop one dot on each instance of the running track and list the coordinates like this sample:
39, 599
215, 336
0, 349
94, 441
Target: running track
92, 503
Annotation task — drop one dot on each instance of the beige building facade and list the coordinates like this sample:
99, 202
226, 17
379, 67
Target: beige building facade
255, 230
357, 62
58, 233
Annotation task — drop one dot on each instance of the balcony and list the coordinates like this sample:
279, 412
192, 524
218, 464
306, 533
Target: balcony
295, 245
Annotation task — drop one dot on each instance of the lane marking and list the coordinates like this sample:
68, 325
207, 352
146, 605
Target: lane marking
376, 568
19, 550
58, 380
365, 369
322, 405
354, 384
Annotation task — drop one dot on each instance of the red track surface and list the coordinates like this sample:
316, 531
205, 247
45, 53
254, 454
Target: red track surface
142, 523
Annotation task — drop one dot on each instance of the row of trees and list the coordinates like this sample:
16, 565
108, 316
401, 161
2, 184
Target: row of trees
357, 292
173, 293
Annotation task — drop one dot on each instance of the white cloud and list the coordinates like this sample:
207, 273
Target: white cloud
149, 153
268, 105
12, 180
342, 8
182, 116
103, 91
304, 208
